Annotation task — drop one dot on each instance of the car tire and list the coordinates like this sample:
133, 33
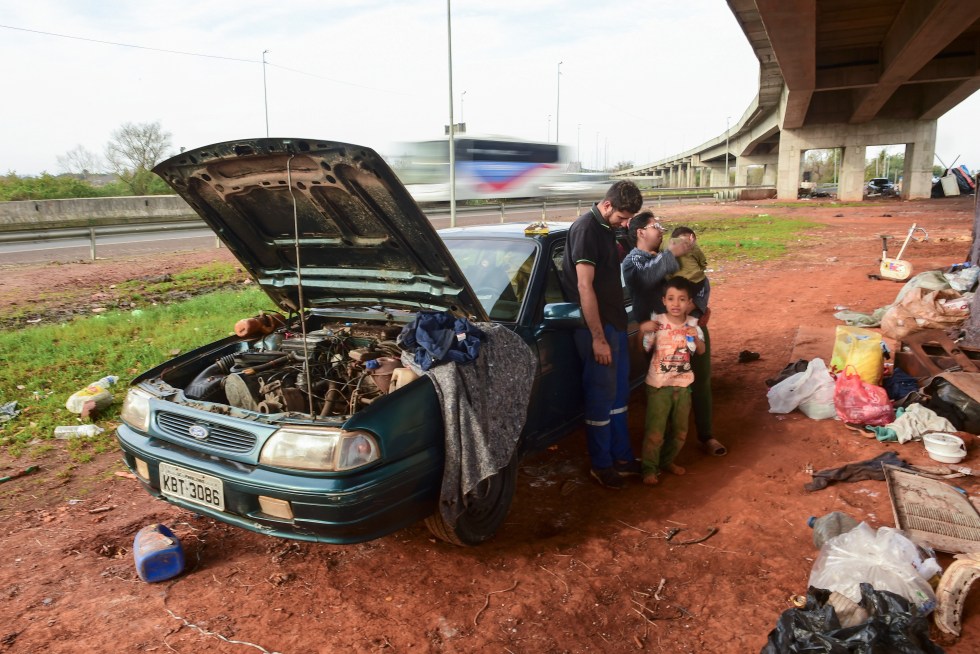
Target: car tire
486, 509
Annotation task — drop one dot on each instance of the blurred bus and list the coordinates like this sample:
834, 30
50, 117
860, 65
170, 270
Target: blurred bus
486, 168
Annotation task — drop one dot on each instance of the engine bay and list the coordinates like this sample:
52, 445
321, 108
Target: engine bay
336, 369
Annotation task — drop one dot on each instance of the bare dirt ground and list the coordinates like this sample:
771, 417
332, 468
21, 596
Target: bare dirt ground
576, 568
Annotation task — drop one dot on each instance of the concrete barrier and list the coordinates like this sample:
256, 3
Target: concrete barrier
85, 212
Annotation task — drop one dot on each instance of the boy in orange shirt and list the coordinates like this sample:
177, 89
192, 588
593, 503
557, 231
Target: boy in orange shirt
674, 337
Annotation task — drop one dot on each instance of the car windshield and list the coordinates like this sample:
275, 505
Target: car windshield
498, 271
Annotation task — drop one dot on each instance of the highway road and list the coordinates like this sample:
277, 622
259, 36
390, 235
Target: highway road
177, 237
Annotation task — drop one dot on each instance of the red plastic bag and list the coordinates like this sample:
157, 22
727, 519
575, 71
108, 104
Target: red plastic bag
859, 402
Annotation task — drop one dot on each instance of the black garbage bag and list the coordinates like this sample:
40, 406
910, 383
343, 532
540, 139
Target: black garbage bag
894, 626
954, 404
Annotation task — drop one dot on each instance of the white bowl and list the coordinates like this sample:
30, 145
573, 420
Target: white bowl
946, 458
945, 444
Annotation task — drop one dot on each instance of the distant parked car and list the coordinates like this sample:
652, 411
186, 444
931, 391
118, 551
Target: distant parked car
880, 186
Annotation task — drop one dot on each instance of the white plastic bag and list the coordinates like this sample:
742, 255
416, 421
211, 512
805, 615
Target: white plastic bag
811, 391
886, 559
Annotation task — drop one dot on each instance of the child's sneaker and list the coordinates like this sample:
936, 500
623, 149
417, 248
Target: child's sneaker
607, 477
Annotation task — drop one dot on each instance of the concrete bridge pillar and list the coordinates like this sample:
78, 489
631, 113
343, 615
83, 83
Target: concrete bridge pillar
917, 174
768, 163
919, 137
850, 183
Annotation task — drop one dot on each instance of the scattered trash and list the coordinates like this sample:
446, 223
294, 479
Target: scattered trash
8, 411
102, 509
158, 553
97, 392
857, 471
952, 592
26, 471
125, 475
747, 355
893, 625
932, 512
811, 391
860, 348
828, 526
73, 431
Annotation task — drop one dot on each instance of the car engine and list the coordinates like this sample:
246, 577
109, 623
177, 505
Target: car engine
334, 370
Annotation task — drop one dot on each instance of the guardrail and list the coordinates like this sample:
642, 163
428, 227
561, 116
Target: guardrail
93, 232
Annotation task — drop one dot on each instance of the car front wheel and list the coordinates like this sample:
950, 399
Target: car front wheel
487, 506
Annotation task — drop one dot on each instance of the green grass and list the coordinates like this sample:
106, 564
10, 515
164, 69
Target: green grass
214, 274
754, 238
45, 364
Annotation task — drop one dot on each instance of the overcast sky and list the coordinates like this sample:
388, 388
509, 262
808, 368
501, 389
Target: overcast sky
640, 79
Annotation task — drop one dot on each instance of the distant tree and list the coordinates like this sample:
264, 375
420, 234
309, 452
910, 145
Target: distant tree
622, 165
79, 161
133, 151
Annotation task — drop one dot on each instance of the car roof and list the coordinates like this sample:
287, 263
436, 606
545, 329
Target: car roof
504, 230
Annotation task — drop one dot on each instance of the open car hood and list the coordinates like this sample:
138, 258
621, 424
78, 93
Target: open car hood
330, 217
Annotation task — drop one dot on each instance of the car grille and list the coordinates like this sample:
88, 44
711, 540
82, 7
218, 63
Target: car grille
219, 436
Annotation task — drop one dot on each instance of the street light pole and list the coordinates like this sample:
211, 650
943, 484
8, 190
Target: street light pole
558, 102
452, 127
462, 113
265, 95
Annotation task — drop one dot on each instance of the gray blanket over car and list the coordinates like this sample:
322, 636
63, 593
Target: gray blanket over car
484, 406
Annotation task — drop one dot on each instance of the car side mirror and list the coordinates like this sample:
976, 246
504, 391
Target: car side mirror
563, 315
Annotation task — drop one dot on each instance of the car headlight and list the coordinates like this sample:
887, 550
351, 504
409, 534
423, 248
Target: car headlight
325, 450
136, 409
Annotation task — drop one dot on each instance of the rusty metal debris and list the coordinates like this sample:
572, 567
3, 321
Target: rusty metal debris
952, 591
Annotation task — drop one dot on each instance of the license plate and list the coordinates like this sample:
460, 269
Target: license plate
191, 486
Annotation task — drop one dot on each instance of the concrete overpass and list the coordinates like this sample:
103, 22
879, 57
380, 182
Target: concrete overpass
840, 74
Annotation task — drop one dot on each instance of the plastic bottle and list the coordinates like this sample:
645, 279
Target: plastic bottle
73, 431
833, 524
158, 553
97, 392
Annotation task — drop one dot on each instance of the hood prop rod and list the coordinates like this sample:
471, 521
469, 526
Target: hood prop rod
299, 289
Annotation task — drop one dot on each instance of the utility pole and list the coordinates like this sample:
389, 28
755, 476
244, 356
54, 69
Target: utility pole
452, 127
265, 95
558, 102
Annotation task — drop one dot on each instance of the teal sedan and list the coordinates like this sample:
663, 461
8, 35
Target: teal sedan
304, 424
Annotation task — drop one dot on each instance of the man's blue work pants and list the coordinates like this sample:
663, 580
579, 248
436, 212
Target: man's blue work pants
606, 390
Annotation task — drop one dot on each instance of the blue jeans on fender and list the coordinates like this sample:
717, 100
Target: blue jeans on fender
606, 390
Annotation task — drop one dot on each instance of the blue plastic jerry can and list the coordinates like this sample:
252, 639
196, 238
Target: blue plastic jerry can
158, 553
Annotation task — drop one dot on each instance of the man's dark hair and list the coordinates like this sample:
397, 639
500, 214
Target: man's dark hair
680, 284
681, 231
624, 195
638, 222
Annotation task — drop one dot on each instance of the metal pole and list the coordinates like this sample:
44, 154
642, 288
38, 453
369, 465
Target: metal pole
452, 127
91, 236
462, 112
558, 102
501, 212
265, 95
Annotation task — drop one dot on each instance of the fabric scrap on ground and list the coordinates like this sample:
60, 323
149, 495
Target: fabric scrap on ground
911, 423
857, 471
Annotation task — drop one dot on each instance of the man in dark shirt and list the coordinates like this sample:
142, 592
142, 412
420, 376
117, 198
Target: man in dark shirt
591, 277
